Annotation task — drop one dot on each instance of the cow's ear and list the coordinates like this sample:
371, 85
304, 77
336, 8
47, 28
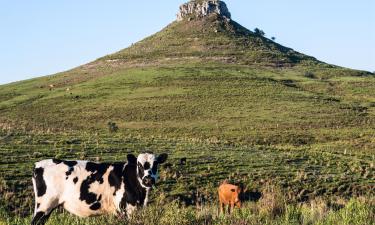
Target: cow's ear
131, 159
162, 158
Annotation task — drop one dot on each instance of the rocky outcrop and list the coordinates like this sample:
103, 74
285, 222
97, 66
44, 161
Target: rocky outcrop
202, 8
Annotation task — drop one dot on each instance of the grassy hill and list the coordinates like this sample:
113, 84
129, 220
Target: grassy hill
236, 104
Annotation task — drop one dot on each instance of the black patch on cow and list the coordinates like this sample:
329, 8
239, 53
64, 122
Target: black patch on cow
39, 182
97, 171
69, 172
85, 195
95, 206
56, 161
141, 171
75, 180
37, 205
70, 163
232, 190
146, 166
115, 177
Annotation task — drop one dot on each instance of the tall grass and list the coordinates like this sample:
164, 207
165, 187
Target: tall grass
357, 211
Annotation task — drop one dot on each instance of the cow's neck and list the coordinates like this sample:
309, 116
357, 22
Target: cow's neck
135, 194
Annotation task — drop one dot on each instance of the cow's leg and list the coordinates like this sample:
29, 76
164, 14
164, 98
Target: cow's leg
130, 209
40, 218
43, 211
231, 207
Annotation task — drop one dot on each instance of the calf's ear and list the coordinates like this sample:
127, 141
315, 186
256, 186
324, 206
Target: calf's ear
162, 158
131, 159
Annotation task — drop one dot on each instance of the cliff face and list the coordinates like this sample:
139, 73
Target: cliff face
203, 8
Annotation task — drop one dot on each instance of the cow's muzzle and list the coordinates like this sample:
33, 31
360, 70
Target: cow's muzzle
148, 181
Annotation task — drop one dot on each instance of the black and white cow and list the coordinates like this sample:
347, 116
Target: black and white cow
88, 189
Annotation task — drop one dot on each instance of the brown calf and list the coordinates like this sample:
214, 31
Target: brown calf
229, 194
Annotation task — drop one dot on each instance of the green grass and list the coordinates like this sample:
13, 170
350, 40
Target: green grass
356, 211
303, 173
313, 137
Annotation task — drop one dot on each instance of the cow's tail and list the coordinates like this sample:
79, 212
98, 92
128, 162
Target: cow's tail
35, 190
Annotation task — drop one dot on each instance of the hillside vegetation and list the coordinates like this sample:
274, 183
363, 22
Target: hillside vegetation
236, 104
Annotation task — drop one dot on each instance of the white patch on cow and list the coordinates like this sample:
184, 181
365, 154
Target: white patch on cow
54, 178
130, 209
119, 195
107, 200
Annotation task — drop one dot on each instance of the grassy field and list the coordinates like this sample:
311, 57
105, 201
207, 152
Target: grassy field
353, 212
303, 174
237, 105
311, 137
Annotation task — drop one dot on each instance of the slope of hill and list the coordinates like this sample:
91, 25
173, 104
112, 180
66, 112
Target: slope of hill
208, 74
201, 85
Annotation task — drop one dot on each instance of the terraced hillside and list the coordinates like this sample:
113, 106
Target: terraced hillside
236, 104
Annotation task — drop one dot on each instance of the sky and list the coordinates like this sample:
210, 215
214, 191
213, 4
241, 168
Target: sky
41, 37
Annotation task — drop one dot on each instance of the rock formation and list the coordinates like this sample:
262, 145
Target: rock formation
202, 8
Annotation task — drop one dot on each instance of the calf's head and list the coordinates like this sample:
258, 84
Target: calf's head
147, 168
237, 200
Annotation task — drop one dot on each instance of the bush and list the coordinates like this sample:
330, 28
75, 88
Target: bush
309, 74
272, 202
355, 212
259, 32
316, 210
112, 127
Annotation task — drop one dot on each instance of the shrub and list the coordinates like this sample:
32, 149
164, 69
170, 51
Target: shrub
112, 127
314, 211
309, 74
293, 215
259, 32
355, 212
272, 202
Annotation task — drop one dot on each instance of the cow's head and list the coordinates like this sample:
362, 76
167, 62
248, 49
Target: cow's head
237, 200
147, 168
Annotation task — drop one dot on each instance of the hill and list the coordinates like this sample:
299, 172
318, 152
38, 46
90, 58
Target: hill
169, 76
206, 88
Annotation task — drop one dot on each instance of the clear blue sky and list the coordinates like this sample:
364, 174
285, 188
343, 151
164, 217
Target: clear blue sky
42, 37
